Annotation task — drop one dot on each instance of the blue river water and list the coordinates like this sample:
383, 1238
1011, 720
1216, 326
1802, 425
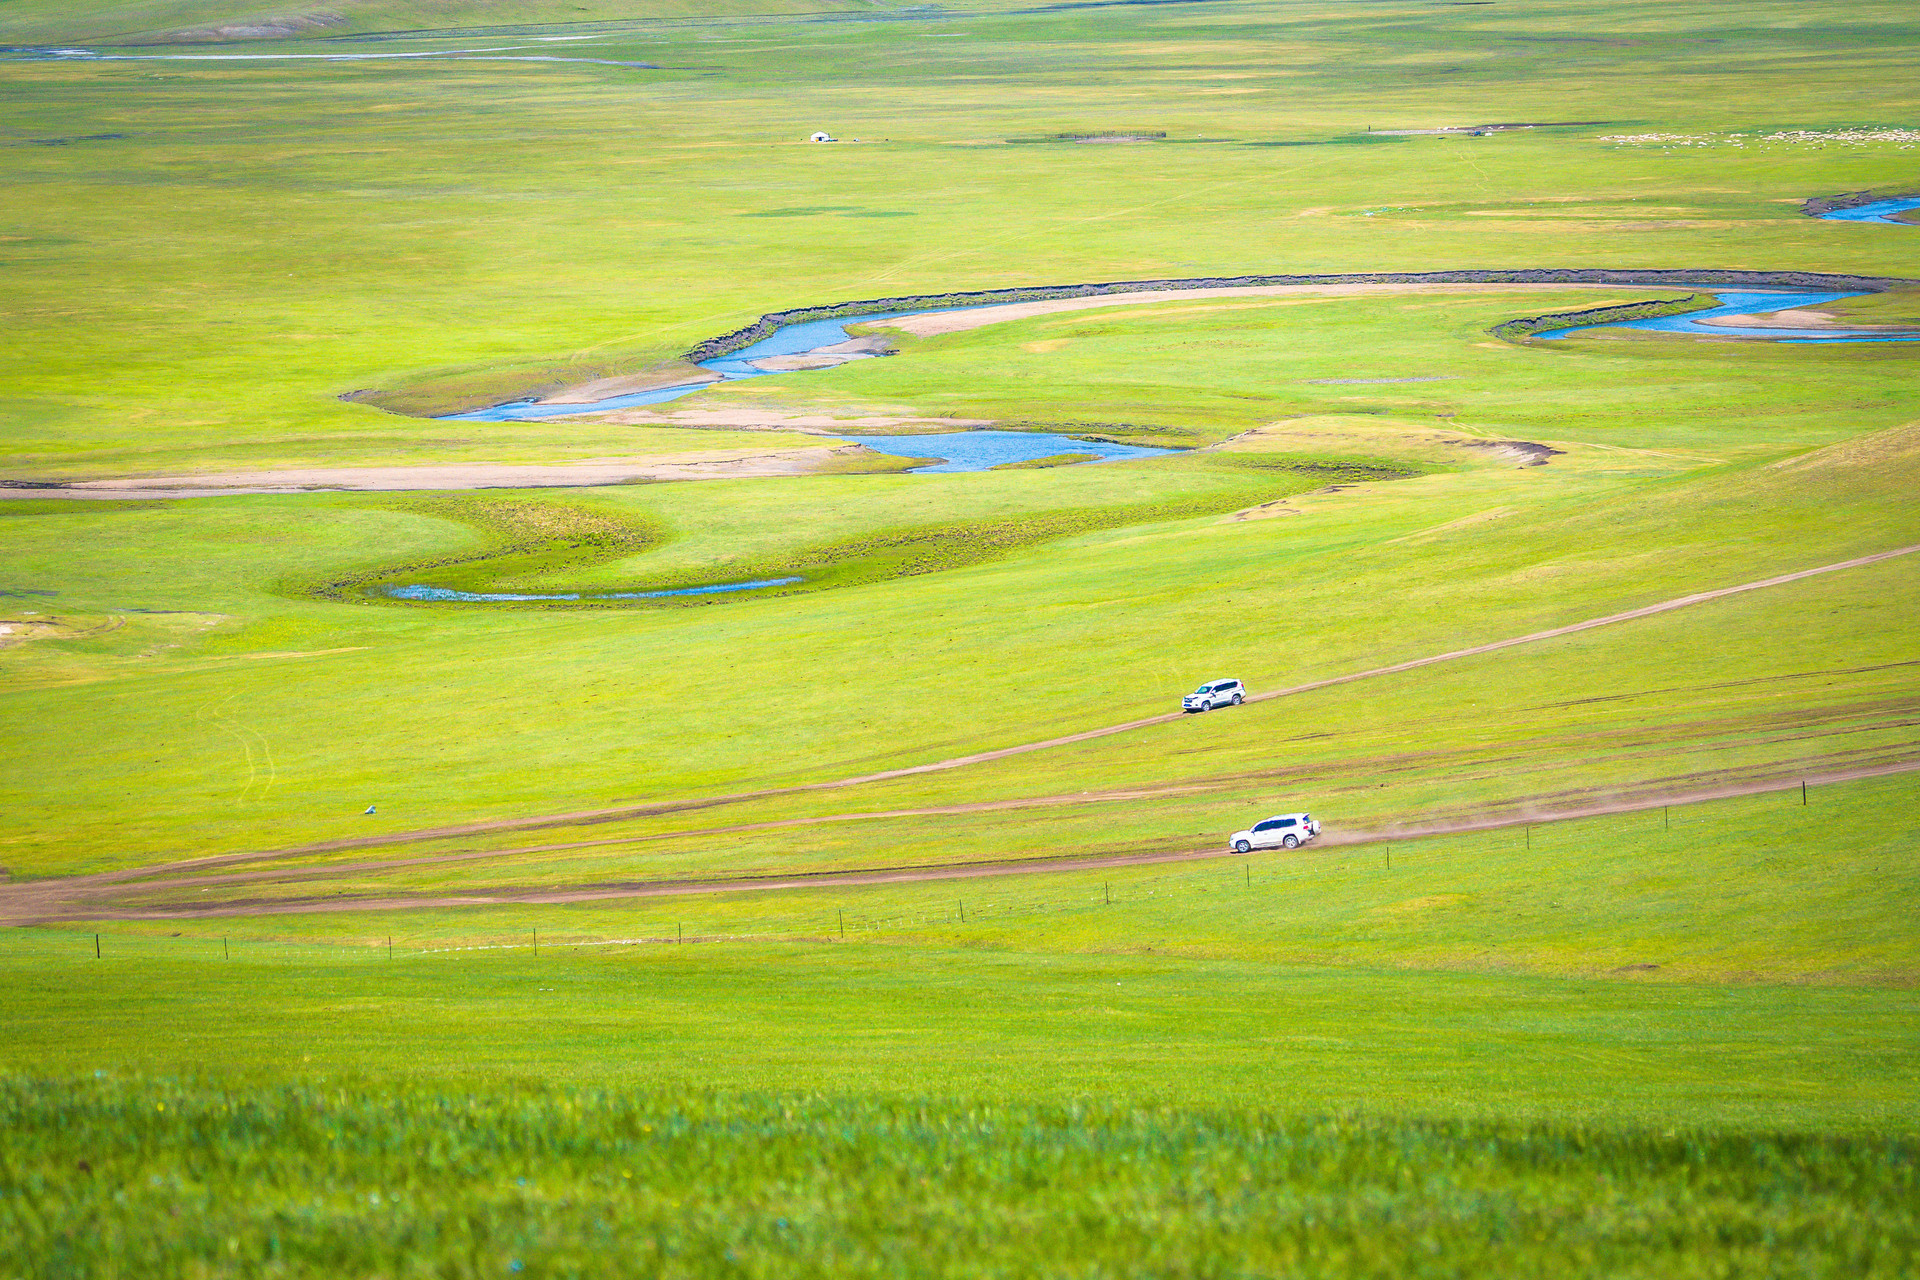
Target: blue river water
980, 450
443, 593
1878, 211
786, 341
1734, 303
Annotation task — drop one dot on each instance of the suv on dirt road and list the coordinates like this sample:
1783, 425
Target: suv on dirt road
1284, 831
1214, 693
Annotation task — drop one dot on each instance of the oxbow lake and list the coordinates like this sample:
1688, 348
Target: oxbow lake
1741, 304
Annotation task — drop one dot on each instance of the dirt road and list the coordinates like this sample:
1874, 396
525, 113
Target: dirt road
88, 895
47, 902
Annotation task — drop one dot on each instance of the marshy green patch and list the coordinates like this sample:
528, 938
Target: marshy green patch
536, 545
517, 536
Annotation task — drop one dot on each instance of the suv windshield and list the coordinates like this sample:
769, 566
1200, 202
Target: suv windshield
1205, 688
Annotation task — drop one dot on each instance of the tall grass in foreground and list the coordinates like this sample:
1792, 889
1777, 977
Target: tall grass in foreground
111, 1176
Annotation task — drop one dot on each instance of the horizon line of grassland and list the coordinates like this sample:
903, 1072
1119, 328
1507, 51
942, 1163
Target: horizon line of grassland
118, 1174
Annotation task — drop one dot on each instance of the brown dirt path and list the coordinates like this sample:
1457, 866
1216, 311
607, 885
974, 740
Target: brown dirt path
712, 464
1520, 813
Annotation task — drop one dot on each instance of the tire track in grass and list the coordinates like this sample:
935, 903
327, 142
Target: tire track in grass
626, 812
1521, 813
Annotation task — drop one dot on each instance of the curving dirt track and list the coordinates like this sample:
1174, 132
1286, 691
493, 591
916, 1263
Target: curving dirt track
68, 900
87, 897
590, 816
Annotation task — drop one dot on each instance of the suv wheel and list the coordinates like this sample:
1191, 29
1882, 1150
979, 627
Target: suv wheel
1236, 699
1292, 842
1241, 846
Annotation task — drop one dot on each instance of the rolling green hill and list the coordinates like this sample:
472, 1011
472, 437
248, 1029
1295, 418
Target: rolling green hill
881, 922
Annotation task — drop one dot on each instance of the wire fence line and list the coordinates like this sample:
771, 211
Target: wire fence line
935, 906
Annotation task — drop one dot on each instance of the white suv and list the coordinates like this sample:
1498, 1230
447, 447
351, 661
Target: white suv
1214, 693
1286, 831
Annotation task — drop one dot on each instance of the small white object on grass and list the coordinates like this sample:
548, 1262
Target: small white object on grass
367, 810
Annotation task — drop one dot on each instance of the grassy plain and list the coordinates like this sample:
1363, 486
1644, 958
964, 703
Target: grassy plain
1606, 1046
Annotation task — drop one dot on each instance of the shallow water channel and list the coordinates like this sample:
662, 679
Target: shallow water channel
956, 450
789, 340
1878, 211
719, 588
1734, 303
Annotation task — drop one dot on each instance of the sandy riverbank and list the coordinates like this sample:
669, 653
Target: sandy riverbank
958, 321
729, 464
1792, 319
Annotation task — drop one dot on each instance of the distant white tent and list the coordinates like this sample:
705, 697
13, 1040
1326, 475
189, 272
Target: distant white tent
821, 137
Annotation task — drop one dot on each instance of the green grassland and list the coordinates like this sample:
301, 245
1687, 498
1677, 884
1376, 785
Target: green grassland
494, 216
1667, 1039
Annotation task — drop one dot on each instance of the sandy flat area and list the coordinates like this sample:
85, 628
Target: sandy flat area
957, 321
629, 384
724, 464
811, 424
1799, 320
825, 357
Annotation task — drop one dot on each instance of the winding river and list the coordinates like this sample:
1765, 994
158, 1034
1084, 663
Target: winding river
828, 342
1741, 304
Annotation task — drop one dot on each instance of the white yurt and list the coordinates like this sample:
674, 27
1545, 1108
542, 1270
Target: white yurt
821, 137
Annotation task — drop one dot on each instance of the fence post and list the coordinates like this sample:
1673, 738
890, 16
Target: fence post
679, 932
536, 942
1249, 869
224, 953
1106, 891
1803, 795
963, 911
1666, 817
1529, 837
96, 946
1389, 855
389, 946
843, 924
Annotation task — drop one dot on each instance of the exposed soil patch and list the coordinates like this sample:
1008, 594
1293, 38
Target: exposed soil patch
1524, 452
273, 28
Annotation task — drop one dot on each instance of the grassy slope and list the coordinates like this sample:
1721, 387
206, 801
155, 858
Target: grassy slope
1604, 530
145, 23
477, 216
958, 1061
